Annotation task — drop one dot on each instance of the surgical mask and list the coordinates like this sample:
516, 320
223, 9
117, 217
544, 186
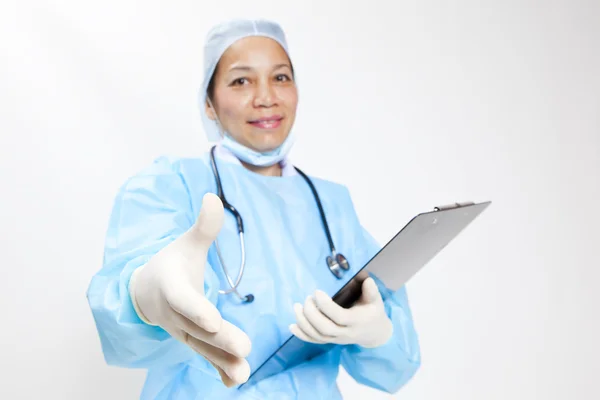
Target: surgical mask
259, 159
250, 156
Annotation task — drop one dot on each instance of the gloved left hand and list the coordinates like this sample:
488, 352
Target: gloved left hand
322, 321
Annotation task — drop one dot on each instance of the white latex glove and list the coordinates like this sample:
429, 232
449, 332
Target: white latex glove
322, 321
168, 292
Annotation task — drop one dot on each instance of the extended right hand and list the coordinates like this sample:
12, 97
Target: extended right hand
168, 292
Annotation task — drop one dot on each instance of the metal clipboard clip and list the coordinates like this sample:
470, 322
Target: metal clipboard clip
453, 205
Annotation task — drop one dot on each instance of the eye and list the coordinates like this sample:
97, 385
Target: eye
282, 78
239, 81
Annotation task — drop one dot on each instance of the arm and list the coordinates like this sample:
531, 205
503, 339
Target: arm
392, 365
150, 211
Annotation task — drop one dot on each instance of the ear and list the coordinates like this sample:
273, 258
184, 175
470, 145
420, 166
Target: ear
210, 112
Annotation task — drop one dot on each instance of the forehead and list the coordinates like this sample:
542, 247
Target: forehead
254, 51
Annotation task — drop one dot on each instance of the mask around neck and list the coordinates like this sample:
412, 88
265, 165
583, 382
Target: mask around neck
259, 159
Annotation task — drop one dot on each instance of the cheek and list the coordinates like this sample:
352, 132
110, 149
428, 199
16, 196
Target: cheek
289, 98
235, 109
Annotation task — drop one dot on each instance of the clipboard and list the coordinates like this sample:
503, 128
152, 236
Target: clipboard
417, 243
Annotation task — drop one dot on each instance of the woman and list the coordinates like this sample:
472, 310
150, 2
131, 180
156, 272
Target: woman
162, 300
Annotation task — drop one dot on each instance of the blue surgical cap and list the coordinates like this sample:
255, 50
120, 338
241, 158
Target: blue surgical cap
218, 40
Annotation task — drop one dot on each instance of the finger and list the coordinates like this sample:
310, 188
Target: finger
209, 220
296, 331
323, 325
229, 338
305, 326
195, 307
227, 381
339, 315
231, 369
234, 367
370, 291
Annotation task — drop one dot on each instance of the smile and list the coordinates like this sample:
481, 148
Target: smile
267, 123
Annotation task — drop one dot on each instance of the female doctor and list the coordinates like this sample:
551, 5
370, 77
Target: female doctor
210, 264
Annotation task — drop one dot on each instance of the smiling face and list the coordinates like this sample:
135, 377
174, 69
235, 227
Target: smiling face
254, 94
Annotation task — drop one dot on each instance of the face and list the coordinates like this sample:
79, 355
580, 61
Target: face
255, 96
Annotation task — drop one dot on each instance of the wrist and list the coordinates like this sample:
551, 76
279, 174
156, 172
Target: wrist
384, 331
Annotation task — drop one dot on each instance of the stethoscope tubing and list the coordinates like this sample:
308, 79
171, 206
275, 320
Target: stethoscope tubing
333, 265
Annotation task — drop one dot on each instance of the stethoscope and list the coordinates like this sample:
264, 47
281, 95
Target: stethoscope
336, 262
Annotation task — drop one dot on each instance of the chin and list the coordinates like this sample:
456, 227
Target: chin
267, 142
264, 149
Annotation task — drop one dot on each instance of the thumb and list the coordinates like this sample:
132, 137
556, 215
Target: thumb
370, 291
209, 221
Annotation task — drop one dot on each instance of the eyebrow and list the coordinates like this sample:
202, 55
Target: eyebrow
247, 68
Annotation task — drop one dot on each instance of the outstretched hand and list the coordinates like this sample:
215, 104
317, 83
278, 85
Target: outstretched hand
168, 292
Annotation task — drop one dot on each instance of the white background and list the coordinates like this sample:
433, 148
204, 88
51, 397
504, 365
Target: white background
410, 104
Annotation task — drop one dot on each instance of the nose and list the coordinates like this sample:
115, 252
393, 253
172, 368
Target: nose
265, 95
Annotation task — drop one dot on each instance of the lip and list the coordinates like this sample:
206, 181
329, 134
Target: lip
270, 122
265, 119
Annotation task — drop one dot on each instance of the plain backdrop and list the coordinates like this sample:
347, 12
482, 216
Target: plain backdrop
409, 104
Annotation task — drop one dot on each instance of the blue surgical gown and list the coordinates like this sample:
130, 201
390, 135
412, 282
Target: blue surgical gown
286, 248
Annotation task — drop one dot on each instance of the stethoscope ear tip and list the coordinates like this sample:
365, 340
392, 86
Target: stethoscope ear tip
249, 298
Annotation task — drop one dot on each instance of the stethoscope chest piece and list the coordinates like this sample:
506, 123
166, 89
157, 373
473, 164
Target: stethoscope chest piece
338, 265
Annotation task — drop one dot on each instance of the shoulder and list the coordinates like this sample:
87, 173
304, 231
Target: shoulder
328, 185
172, 165
331, 192
170, 172
166, 184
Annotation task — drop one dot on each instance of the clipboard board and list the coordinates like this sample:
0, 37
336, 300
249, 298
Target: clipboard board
417, 243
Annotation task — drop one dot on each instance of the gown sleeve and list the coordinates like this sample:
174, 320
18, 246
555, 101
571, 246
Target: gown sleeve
150, 210
392, 365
